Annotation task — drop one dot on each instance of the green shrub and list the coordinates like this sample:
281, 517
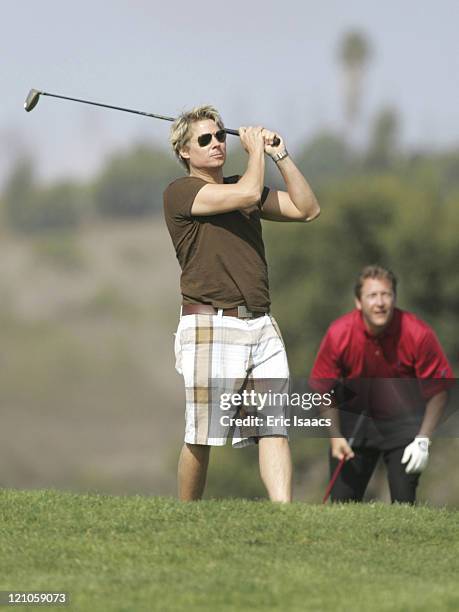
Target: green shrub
30, 209
132, 183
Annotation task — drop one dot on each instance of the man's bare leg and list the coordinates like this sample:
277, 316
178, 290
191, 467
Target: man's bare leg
192, 471
276, 468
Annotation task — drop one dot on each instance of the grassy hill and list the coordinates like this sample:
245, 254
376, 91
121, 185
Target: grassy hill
134, 554
89, 397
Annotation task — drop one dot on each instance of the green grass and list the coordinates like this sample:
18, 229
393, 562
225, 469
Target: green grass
141, 554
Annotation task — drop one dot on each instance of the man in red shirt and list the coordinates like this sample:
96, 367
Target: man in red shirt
370, 347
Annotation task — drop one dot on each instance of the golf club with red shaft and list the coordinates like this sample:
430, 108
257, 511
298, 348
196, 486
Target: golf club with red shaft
34, 95
342, 461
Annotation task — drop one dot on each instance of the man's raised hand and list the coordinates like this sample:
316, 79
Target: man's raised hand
268, 137
252, 139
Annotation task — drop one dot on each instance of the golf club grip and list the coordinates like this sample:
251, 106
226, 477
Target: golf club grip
276, 141
339, 467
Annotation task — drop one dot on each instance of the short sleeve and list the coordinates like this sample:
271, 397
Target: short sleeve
431, 361
432, 366
264, 195
326, 369
179, 197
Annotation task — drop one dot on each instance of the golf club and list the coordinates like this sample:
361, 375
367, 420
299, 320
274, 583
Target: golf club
340, 465
34, 95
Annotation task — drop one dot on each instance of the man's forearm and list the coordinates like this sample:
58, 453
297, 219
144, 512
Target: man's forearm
298, 188
433, 413
332, 413
254, 177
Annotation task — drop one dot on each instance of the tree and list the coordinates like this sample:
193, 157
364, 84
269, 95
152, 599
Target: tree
371, 219
384, 140
18, 195
353, 53
132, 183
327, 157
30, 208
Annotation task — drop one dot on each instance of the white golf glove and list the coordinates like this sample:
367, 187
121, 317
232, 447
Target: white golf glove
417, 455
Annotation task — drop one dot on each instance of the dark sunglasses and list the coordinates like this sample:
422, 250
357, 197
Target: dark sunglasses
206, 139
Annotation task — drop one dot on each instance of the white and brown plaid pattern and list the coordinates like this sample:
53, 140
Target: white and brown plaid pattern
210, 349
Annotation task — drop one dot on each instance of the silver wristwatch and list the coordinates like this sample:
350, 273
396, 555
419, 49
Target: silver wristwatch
278, 156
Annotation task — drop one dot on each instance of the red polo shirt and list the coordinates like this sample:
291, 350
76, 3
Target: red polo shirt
407, 348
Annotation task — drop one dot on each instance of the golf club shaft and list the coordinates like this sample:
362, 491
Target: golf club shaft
335, 475
120, 108
342, 461
130, 110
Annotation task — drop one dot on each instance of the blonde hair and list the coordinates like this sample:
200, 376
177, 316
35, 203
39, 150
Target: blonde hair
374, 271
181, 128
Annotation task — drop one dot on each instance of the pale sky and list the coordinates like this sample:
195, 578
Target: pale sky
259, 62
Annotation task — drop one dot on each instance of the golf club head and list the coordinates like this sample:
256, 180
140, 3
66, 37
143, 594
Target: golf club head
32, 99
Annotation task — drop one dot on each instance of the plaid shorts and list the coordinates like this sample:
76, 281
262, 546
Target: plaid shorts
214, 353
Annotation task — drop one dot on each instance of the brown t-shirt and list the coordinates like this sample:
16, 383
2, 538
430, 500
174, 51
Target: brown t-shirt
222, 256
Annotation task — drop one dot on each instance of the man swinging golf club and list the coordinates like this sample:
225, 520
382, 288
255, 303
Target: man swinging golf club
377, 349
226, 330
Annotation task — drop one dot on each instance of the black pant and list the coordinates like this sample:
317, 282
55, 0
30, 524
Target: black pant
356, 473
